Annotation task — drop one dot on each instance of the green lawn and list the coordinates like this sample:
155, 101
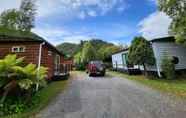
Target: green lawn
176, 87
45, 95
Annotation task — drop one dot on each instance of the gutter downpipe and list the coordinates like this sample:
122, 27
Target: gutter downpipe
39, 63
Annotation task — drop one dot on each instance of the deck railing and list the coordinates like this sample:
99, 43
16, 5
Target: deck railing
63, 69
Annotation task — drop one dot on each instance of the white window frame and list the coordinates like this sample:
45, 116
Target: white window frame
18, 49
49, 53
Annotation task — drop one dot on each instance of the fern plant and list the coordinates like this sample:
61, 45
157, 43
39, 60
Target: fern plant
13, 73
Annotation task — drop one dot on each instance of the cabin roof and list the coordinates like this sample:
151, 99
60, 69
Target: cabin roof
7, 36
164, 39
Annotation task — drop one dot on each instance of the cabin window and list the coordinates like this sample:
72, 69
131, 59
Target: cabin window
18, 49
50, 53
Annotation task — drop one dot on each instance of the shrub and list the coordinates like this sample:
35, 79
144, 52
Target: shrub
80, 67
168, 67
14, 75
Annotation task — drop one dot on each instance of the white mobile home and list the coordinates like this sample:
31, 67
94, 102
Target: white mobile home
119, 59
167, 47
120, 62
162, 47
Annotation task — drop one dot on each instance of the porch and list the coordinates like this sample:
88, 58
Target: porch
62, 72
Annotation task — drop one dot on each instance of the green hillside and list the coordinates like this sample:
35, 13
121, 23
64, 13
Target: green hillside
70, 49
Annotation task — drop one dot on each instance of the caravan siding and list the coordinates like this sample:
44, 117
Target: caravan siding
162, 49
118, 61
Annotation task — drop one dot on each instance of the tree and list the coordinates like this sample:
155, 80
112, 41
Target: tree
141, 53
10, 19
28, 11
77, 58
105, 52
22, 19
88, 53
176, 9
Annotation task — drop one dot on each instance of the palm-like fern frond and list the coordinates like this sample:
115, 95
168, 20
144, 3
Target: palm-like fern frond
12, 70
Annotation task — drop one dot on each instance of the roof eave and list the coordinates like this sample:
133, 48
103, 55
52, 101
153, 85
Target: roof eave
123, 50
164, 39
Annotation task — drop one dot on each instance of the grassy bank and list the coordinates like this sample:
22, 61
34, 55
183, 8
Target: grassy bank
43, 97
176, 87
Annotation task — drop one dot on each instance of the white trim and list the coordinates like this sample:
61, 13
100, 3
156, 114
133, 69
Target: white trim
18, 49
39, 61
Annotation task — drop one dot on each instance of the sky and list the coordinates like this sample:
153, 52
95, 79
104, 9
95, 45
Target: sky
115, 21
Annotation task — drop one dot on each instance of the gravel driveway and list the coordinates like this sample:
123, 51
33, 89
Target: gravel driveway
112, 97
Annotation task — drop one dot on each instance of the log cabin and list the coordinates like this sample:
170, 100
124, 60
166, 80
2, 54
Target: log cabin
35, 50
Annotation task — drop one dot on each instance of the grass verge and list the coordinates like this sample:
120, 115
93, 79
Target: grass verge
45, 95
175, 87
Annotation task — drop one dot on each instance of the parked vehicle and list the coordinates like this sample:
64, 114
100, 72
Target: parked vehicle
96, 68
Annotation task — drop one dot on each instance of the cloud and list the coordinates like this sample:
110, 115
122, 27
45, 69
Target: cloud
57, 35
76, 38
155, 25
9, 4
78, 8
70, 8
114, 33
121, 9
153, 1
92, 13
82, 15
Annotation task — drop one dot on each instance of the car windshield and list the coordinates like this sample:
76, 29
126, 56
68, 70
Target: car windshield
99, 63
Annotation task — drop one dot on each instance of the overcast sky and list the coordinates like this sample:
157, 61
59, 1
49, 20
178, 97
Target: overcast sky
116, 21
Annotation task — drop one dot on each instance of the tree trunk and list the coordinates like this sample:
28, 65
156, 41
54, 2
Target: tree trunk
28, 96
7, 89
145, 70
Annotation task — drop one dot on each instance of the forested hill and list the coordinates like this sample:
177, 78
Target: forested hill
70, 49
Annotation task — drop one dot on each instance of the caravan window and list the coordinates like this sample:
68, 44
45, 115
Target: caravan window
175, 60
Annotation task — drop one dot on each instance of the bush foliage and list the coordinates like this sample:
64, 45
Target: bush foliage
141, 53
94, 50
168, 67
17, 83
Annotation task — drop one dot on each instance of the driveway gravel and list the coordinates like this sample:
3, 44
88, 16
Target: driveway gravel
112, 97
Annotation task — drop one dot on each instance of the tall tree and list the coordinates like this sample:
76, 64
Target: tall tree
28, 11
77, 58
105, 52
176, 9
140, 53
22, 19
10, 19
88, 52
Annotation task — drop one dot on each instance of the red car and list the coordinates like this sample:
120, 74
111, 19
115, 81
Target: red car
96, 68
